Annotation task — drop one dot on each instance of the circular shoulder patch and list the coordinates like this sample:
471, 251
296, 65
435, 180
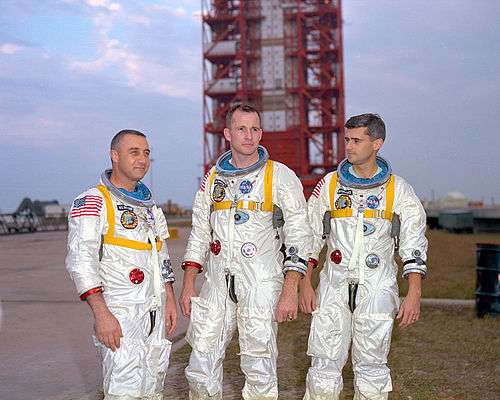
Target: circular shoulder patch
129, 220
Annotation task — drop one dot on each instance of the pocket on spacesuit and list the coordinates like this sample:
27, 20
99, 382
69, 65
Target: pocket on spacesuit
205, 325
255, 334
123, 373
157, 361
325, 334
372, 336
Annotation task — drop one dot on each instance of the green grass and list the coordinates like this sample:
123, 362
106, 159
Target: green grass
451, 264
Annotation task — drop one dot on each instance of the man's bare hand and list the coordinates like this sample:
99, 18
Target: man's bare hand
188, 290
170, 310
108, 329
409, 312
288, 301
185, 299
307, 296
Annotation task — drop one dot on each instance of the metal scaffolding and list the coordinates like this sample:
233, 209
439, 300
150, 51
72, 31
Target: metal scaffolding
285, 58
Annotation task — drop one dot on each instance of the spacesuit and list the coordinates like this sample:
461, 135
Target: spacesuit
239, 239
362, 221
117, 245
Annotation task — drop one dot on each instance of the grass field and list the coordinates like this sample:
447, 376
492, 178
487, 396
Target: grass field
448, 355
451, 264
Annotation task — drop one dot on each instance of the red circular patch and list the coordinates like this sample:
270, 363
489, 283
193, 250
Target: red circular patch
215, 247
336, 256
136, 276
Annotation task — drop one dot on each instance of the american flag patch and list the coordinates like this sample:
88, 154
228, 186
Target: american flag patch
204, 181
317, 189
86, 206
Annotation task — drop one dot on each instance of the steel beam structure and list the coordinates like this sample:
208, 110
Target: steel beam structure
285, 57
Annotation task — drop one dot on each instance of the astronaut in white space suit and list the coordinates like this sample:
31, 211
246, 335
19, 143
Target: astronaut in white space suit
252, 261
119, 262
363, 212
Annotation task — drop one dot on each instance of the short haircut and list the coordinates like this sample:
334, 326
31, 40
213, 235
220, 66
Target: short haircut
115, 142
243, 107
373, 123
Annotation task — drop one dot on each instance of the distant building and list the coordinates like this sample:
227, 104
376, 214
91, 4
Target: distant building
37, 207
452, 201
172, 209
56, 210
455, 213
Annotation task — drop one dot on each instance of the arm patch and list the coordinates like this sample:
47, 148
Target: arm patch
204, 181
317, 188
86, 206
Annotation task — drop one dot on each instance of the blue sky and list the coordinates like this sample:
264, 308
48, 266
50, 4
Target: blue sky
74, 72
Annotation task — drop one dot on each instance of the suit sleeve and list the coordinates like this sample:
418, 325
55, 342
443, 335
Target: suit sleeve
86, 222
296, 230
413, 243
201, 232
165, 266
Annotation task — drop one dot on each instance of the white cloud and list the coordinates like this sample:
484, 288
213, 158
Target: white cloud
10, 48
179, 12
41, 128
104, 4
177, 75
144, 74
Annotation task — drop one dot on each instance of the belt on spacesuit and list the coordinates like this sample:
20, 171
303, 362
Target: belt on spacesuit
266, 206
367, 213
241, 205
110, 238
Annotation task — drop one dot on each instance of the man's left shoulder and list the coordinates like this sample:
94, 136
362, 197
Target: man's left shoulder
283, 169
399, 181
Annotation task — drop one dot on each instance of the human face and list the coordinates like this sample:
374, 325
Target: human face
360, 147
245, 133
131, 159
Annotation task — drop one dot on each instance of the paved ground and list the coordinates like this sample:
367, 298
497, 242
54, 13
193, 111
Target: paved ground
45, 346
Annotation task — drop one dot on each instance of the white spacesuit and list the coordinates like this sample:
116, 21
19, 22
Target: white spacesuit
236, 238
110, 250
357, 295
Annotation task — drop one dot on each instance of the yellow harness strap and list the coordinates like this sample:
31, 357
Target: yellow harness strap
109, 236
367, 213
332, 188
212, 177
250, 205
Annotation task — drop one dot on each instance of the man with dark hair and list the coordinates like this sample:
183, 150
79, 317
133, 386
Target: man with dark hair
253, 261
116, 139
363, 212
119, 262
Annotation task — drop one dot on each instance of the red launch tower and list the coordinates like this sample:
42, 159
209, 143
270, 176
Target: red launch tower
285, 58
